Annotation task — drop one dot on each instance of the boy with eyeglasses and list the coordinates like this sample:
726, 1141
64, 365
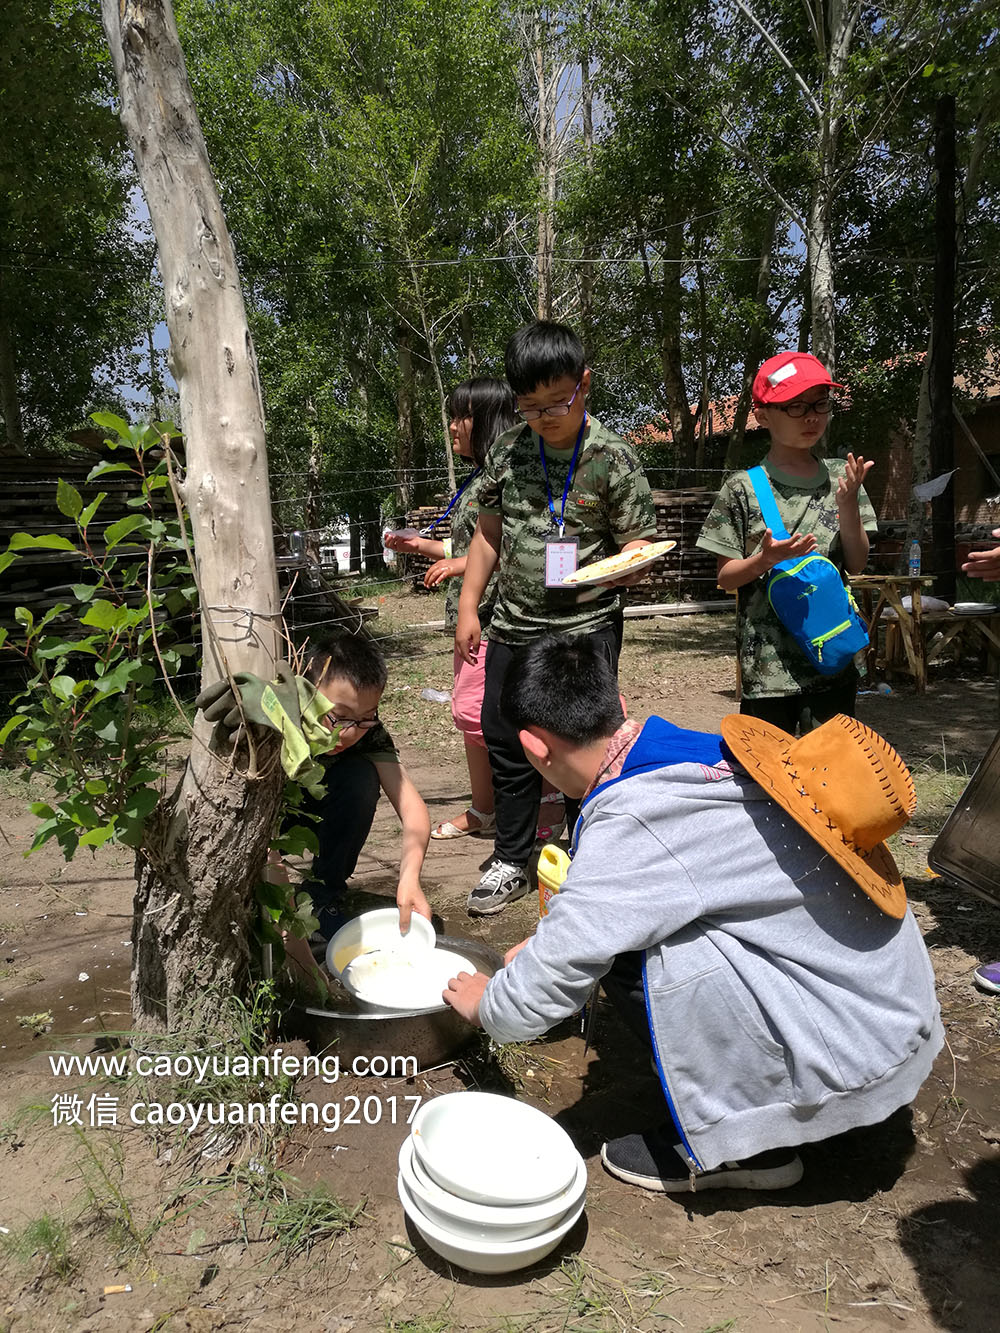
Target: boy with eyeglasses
350, 672
824, 508
559, 491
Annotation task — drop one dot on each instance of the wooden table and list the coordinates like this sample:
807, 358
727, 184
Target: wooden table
889, 590
915, 626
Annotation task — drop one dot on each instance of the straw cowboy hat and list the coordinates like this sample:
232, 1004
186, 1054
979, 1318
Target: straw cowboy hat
844, 784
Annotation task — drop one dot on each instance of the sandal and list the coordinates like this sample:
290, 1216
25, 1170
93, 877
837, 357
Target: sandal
546, 832
487, 822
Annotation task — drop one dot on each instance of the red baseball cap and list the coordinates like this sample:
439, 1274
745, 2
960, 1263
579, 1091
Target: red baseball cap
783, 377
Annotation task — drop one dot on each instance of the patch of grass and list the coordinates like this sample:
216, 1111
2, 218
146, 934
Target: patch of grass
516, 1065
107, 1207
37, 1024
435, 1323
937, 792
46, 1239
296, 1220
238, 1028
20, 784
302, 1220
592, 1301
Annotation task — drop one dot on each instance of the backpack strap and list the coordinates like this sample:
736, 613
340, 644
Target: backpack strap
767, 502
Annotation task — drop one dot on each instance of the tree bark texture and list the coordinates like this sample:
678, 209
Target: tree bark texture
671, 309
834, 24
548, 163
198, 867
756, 341
588, 266
10, 402
942, 360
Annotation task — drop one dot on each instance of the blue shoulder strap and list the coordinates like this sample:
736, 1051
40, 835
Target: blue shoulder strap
766, 500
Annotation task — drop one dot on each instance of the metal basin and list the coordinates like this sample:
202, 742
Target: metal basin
432, 1036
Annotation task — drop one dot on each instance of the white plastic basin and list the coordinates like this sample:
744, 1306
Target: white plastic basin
480, 1256
492, 1149
482, 1221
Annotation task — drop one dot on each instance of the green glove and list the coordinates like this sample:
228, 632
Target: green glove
289, 705
230, 704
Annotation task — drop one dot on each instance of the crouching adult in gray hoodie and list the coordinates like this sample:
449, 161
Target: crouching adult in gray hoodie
753, 929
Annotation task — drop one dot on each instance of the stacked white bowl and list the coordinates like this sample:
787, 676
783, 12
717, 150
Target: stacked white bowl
490, 1183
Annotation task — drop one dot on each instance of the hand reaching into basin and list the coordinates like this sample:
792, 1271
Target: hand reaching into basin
464, 993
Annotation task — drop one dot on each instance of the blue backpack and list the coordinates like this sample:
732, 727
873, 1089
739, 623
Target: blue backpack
808, 596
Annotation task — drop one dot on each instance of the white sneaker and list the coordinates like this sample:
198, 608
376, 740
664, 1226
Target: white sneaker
501, 884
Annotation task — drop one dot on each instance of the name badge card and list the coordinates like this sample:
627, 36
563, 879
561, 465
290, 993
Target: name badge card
560, 559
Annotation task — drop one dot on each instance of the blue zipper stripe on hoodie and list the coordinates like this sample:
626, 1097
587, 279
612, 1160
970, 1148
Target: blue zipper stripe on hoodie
659, 745
664, 1085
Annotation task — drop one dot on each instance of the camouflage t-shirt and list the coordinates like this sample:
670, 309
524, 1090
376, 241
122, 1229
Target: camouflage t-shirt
464, 518
771, 662
608, 505
375, 744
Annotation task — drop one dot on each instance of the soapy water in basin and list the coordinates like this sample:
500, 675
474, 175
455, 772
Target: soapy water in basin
404, 980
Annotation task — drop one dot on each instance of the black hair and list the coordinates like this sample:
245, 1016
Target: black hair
346, 657
490, 404
565, 685
540, 353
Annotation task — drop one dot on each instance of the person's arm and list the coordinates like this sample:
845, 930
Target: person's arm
632, 512
603, 909
984, 564
637, 575
733, 573
409, 806
433, 550
450, 568
853, 538
480, 562
298, 956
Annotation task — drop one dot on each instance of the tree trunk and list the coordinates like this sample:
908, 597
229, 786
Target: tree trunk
756, 341
942, 361
672, 295
313, 476
820, 258
469, 340
547, 164
10, 402
920, 468
205, 847
589, 251
703, 412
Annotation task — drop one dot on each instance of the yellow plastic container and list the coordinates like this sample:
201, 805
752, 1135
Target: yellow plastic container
553, 866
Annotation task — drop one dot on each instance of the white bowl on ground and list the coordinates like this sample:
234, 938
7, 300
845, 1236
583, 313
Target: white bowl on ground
377, 930
481, 1221
493, 1150
481, 1256
392, 982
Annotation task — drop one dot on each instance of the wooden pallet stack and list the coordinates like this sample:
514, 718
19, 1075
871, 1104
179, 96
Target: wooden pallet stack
683, 574
39, 579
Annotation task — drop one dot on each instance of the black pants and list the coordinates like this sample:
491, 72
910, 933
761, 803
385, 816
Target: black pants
346, 811
808, 709
517, 787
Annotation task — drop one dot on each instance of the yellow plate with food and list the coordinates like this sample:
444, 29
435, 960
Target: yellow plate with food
618, 565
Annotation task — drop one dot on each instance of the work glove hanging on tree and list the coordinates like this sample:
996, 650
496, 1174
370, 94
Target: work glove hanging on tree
289, 705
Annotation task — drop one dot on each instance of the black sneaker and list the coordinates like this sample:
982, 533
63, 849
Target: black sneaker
653, 1162
501, 884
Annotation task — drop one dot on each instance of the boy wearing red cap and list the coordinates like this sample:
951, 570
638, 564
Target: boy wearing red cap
824, 508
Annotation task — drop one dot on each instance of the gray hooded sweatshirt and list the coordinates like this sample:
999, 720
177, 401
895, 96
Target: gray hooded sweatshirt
784, 1007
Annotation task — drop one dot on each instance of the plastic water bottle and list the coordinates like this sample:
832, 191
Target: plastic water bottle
914, 559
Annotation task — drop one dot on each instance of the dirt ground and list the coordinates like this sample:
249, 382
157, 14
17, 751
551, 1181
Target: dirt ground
895, 1226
